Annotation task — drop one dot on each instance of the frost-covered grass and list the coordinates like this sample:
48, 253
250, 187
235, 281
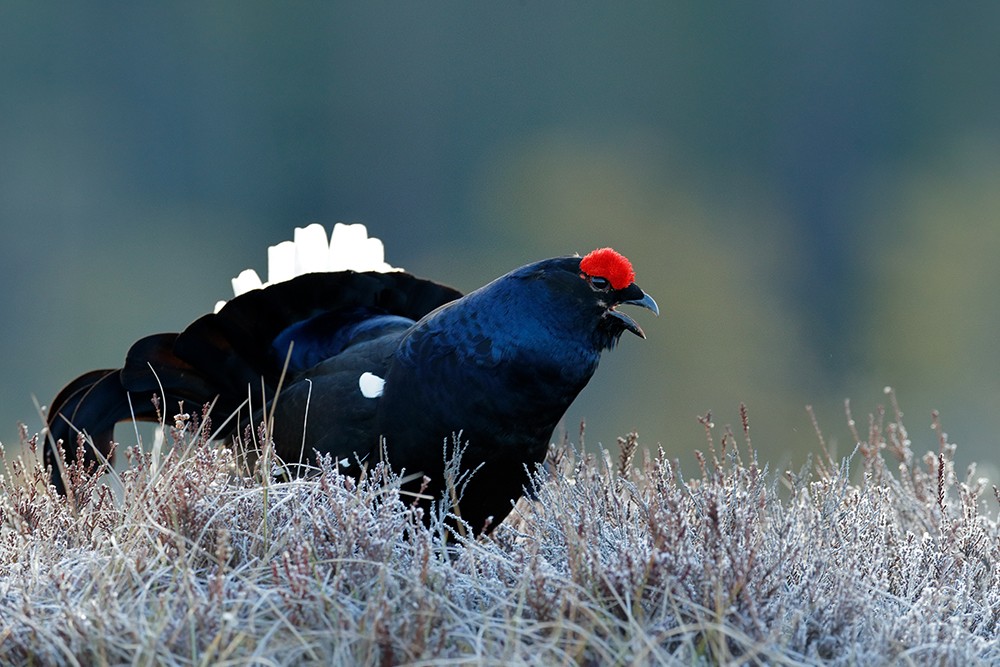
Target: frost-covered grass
187, 559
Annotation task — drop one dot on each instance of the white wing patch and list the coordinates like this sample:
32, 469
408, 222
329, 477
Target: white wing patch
371, 385
349, 248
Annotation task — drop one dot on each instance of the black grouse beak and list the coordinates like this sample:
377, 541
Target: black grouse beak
633, 296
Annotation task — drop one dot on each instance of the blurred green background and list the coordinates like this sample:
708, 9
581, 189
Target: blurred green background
811, 191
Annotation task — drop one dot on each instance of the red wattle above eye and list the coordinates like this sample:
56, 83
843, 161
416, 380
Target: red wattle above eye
609, 264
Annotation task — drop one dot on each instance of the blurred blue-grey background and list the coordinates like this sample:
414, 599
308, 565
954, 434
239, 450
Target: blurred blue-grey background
811, 191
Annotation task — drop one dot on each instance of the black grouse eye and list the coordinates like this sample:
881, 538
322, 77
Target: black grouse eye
599, 282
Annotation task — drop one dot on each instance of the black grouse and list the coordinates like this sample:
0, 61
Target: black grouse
378, 354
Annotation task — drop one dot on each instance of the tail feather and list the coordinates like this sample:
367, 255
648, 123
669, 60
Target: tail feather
93, 403
152, 366
90, 405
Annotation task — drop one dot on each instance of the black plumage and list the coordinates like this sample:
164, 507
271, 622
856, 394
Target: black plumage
500, 365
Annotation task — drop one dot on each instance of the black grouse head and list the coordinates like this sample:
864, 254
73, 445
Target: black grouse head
611, 280
577, 297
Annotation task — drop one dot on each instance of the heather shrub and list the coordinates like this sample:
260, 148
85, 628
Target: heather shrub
197, 554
